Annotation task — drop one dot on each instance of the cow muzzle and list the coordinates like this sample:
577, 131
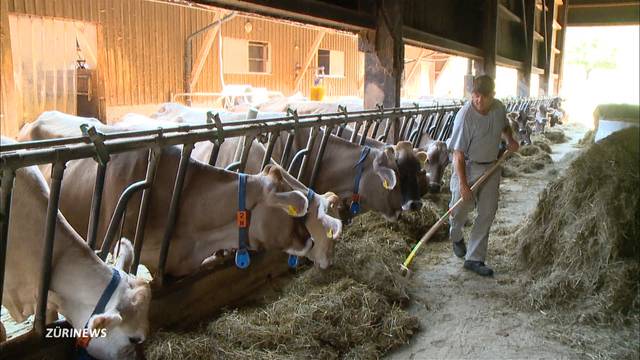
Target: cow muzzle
434, 187
412, 205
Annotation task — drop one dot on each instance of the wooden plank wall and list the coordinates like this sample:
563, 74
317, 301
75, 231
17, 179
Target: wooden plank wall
289, 45
141, 47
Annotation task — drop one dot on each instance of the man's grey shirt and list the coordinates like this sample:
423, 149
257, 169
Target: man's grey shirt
477, 135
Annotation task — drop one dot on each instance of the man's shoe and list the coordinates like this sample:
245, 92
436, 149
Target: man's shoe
459, 248
478, 267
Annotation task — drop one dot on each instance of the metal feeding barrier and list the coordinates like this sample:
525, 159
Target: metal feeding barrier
412, 124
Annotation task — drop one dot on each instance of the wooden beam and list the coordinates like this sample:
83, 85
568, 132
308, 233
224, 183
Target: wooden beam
421, 38
306, 11
506, 13
308, 58
524, 73
442, 69
415, 66
490, 37
203, 52
505, 61
563, 16
384, 61
549, 45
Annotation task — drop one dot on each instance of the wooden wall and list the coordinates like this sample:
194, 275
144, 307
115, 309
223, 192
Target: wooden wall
289, 45
141, 50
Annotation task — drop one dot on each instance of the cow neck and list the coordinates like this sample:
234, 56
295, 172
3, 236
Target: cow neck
343, 155
80, 279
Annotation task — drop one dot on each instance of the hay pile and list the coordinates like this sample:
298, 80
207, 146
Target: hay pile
581, 247
588, 138
529, 159
555, 135
542, 142
353, 310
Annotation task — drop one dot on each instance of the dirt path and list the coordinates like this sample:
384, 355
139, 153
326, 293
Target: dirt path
465, 316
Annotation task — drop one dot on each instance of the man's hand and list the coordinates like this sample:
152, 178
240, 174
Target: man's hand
465, 191
512, 145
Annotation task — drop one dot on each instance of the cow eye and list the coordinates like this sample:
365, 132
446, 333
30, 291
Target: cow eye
135, 340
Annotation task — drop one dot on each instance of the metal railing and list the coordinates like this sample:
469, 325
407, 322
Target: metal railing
413, 124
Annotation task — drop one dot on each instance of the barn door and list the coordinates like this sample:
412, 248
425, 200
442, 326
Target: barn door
46, 54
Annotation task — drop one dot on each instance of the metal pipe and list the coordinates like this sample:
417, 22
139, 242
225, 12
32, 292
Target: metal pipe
295, 159
188, 44
246, 149
354, 134
305, 157
363, 138
6, 191
57, 172
234, 166
287, 149
96, 202
273, 137
117, 216
320, 156
173, 210
214, 153
152, 167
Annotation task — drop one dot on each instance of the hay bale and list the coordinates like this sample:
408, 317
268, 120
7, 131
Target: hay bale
581, 247
528, 150
555, 135
353, 310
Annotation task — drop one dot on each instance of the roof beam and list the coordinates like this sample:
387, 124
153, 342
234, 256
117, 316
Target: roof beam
308, 58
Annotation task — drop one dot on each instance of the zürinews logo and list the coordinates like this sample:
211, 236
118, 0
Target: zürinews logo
75, 333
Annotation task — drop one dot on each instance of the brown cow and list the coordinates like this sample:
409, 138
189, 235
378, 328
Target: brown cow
202, 227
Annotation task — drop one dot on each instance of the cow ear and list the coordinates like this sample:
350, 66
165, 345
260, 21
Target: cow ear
332, 226
390, 152
388, 177
293, 203
422, 157
104, 321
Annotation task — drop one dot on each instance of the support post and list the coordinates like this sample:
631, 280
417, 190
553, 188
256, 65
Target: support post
384, 58
549, 43
490, 36
528, 24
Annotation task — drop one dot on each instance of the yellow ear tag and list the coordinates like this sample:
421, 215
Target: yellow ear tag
292, 210
385, 183
330, 233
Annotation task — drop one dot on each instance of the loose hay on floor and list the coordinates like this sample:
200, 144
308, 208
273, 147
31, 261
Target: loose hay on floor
353, 310
581, 247
529, 162
542, 142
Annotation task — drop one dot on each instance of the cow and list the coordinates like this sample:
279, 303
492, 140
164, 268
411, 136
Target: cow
277, 211
178, 113
555, 112
430, 157
520, 126
78, 276
541, 119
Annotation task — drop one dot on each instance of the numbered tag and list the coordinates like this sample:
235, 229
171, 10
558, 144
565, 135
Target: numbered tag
292, 210
242, 258
242, 218
293, 261
385, 183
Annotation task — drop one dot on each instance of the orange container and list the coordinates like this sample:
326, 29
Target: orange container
317, 93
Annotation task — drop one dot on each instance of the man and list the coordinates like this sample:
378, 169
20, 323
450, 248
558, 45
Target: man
475, 139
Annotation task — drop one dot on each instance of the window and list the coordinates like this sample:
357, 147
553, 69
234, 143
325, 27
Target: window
332, 61
241, 56
258, 57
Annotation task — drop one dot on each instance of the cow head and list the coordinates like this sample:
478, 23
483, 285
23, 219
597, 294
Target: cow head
381, 185
324, 227
520, 127
277, 220
409, 171
434, 160
125, 320
320, 222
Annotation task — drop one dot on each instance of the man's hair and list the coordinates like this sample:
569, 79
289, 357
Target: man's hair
484, 85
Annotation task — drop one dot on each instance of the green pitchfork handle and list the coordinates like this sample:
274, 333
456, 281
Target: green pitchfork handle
405, 266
